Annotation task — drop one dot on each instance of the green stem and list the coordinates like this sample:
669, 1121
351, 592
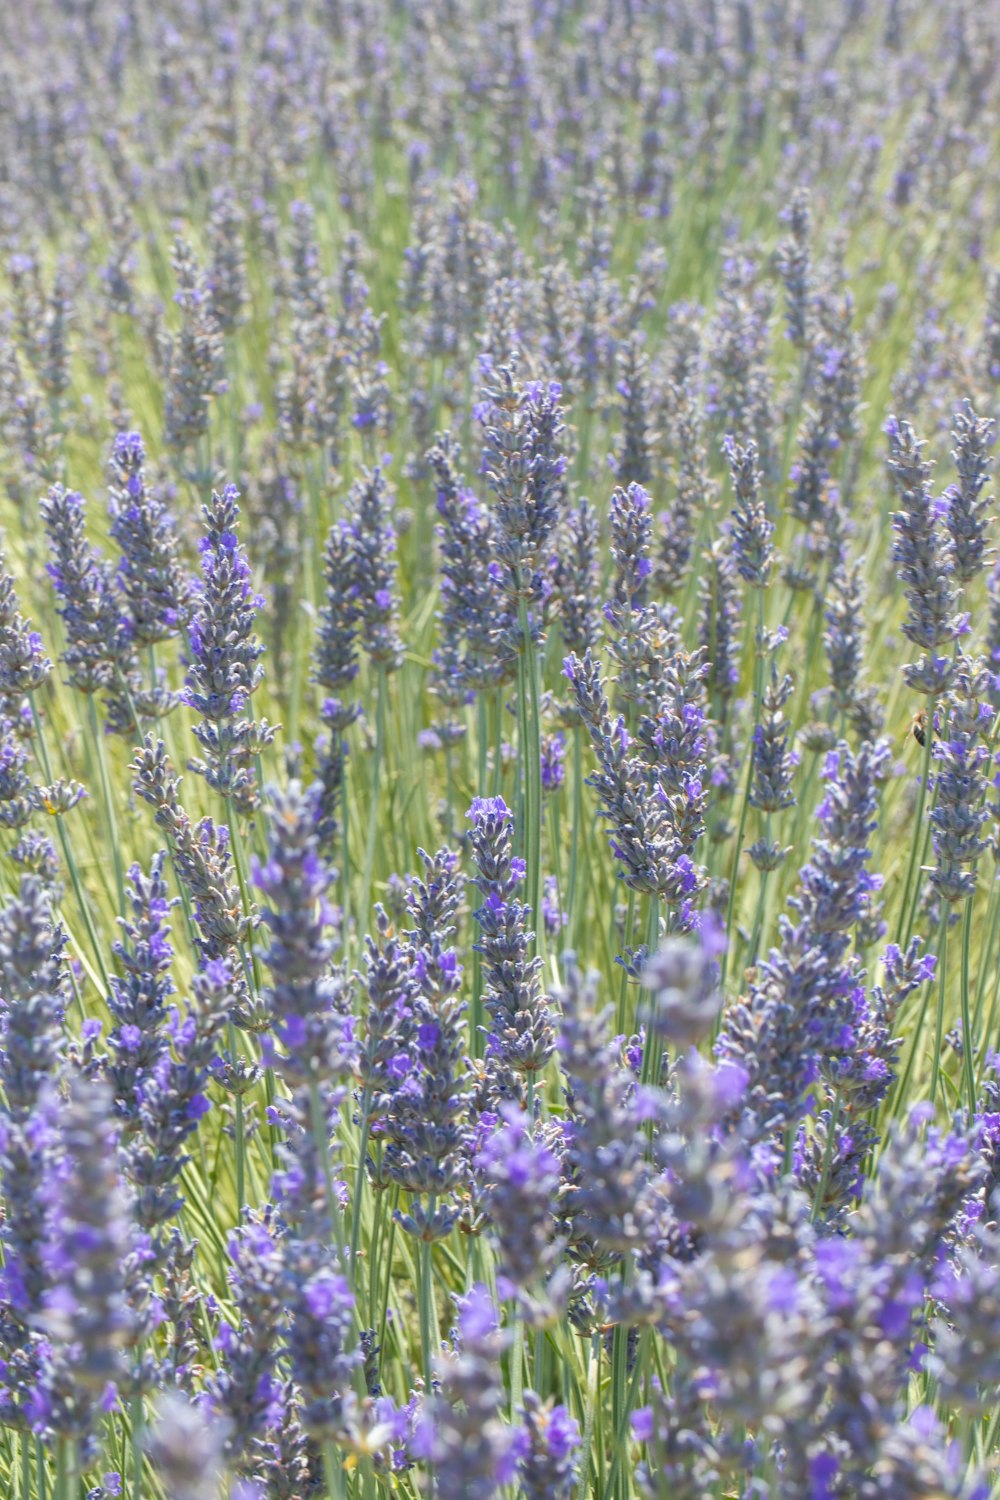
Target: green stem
530, 694
593, 1381
651, 1052
373, 807
619, 1394
901, 1092
758, 921
574, 847
623, 987
137, 1425
758, 689
359, 1187
240, 1125
968, 1035
67, 849
621, 1448
516, 1369
498, 744
986, 962
906, 916
387, 1282
65, 1467
428, 1312
333, 1473
109, 802
943, 981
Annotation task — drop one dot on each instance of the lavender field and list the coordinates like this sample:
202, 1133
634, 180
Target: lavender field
499, 750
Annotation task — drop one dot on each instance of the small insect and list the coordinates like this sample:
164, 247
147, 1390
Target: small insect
918, 727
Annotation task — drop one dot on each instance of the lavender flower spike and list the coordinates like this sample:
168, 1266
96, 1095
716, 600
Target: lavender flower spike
225, 659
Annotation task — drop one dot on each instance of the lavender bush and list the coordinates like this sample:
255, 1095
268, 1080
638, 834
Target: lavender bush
499, 750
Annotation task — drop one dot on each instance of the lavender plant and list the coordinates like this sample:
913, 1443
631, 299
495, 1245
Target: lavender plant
635, 1145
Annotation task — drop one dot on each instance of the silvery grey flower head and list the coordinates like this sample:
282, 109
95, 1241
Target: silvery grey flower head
225, 665
524, 465
843, 638
793, 259
305, 997
631, 534
633, 463
24, 665
171, 1100
682, 978
90, 603
694, 493
84, 1312
195, 359
520, 1178
964, 1358
752, 529
965, 501
461, 1432
138, 998
200, 852
739, 342
335, 663
521, 1031
925, 556
719, 623
960, 760
549, 1463
32, 990
246, 1391
475, 622
427, 1119
150, 573
373, 570
186, 1447
227, 272
607, 1199
575, 577
774, 761
799, 1015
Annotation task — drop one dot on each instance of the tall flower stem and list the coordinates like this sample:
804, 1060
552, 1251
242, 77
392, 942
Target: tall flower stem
359, 1184
373, 807
239, 1129
516, 1366
968, 1034
650, 1054
986, 960
109, 801
67, 849
137, 1424
65, 1469
906, 914
428, 1312
333, 1473
529, 695
902, 1091
943, 981
734, 873
590, 1412
574, 847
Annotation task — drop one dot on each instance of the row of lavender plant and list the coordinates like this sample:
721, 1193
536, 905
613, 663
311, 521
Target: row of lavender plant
499, 717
